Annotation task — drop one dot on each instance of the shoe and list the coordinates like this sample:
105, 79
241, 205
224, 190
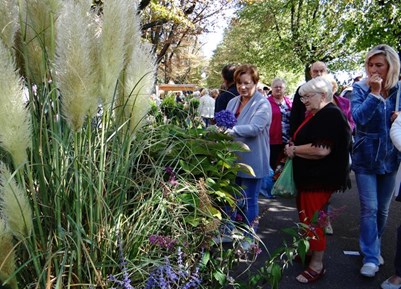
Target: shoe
222, 239
311, 275
369, 269
387, 285
328, 229
381, 260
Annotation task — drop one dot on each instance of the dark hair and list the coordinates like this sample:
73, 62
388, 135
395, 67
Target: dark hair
246, 68
228, 72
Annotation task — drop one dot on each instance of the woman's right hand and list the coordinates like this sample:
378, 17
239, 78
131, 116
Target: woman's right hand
375, 83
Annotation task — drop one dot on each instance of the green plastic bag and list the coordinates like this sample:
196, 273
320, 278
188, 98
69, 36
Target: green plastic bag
285, 185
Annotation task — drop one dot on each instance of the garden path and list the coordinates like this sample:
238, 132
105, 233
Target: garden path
342, 270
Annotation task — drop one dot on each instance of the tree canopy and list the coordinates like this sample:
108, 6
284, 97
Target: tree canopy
283, 37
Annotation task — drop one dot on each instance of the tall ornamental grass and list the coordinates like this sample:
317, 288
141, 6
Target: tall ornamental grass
92, 193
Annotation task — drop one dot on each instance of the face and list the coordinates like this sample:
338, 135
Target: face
278, 89
377, 64
318, 69
312, 101
245, 86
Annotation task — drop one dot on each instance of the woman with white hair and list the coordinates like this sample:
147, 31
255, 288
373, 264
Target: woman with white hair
320, 152
375, 160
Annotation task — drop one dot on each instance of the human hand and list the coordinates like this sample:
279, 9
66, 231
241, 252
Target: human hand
229, 131
394, 115
289, 151
375, 82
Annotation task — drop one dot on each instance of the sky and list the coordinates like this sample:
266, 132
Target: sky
212, 39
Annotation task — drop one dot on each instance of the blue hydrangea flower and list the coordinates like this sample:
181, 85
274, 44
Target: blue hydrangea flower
225, 119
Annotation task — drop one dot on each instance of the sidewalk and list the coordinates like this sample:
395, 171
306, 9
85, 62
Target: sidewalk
342, 270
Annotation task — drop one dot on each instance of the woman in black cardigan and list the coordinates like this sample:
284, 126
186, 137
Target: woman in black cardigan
320, 152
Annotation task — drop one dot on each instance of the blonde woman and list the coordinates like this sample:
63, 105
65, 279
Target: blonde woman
375, 160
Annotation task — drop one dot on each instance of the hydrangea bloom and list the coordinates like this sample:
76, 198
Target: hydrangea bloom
225, 119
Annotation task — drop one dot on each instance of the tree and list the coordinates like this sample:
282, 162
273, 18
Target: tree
288, 35
172, 25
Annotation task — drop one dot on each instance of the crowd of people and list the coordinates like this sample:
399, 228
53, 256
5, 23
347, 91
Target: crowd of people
326, 135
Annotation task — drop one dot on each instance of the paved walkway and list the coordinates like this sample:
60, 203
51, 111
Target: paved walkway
342, 270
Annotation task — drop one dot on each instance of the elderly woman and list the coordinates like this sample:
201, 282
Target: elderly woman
320, 163
375, 160
253, 113
280, 128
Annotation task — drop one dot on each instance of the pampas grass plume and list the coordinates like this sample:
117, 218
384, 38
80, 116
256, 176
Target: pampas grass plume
15, 128
138, 85
7, 255
8, 21
75, 63
38, 18
113, 46
138, 78
15, 205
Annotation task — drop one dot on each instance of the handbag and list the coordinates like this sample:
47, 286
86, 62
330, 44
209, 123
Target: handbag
285, 185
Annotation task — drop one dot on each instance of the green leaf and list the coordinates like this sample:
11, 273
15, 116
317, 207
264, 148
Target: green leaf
219, 276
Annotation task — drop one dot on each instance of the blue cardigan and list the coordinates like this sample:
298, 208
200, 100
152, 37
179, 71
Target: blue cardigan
252, 128
373, 151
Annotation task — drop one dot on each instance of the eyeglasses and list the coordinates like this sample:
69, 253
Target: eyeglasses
308, 96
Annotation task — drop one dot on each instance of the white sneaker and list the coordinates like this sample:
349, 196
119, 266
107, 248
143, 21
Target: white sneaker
381, 260
387, 285
369, 269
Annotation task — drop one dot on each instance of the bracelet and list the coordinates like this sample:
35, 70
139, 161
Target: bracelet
293, 150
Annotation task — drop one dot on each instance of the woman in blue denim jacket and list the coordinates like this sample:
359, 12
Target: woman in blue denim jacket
375, 160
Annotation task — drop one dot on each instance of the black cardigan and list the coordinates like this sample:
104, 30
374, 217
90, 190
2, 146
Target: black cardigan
328, 128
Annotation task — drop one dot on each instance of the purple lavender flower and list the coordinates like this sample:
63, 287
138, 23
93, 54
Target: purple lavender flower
166, 276
125, 283
225, 119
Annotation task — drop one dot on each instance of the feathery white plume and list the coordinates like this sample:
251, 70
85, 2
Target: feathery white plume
113, 46
8, 21
15, 128
75, 63
15, 205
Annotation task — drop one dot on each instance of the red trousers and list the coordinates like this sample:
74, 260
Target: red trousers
311, 211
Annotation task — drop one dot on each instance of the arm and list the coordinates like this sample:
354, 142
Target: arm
307, 151
364, 104
395, 133
260, 119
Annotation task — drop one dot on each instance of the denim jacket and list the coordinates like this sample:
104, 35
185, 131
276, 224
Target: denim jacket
373, 152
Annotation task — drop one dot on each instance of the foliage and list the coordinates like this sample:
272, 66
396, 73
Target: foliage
173, 28
286, 36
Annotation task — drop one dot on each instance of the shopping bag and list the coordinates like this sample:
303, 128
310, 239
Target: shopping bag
285, 185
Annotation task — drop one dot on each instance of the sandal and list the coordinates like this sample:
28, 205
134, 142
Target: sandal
311, 275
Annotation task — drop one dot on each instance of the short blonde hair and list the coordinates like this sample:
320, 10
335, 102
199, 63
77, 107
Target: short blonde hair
393, 61
320, 84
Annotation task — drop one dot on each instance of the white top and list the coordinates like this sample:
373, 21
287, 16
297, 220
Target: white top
206, 106
395, 133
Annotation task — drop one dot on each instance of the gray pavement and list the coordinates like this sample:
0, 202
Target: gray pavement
342, 270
